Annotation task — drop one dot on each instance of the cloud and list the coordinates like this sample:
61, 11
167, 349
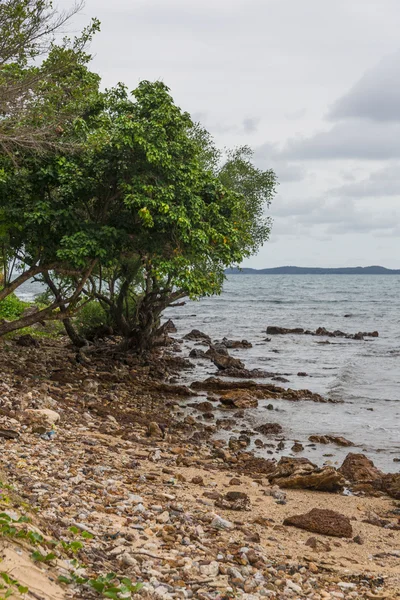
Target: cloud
384, 182
376, 96
250, 125
354, 139
267, 156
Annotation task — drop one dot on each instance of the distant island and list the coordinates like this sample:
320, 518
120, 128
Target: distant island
374, 270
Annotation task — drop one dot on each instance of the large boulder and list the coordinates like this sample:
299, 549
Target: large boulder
357, 468
40, 418
322, 521
300, 473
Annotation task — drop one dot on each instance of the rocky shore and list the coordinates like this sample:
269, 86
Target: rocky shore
107, 467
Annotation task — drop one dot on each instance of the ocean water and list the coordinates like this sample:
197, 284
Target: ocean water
364, 375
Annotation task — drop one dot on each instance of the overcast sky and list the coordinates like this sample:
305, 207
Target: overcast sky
312, 85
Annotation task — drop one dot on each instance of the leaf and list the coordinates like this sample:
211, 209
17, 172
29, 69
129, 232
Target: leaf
63, 579
74, 529
86, 535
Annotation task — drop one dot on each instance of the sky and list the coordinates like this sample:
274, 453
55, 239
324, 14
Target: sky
313, 86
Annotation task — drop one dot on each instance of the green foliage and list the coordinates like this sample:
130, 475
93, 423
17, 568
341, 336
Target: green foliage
10, 586
108, 586
12, 307
91, 316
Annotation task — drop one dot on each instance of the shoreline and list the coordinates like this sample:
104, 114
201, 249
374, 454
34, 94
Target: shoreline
122, 467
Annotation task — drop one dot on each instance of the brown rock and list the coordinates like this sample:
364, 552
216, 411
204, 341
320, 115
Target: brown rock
238, 399
326, 439
198, 480
322, 521
154, 430
318, 545
222, 361
357, 468
391, 485
272, 330
269, 428
297, 447
234, 501
197, 335
300, 473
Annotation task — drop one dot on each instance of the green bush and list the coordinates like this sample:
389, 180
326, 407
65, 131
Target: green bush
91, 317
12, 307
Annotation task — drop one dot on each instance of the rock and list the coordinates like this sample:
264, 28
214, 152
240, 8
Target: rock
40, 417
245, 373
210, 570
234, 501
202, 406
197, 335
154, 430
236, 343
164, 517
226, 362
196, 353
358, 540
318, 545
272, 330
297, 447
169, 327
322, 521
238, 399
220, 523
391, 485
357, 468
269, 428
300, 473
326, 439
235, 481
198, 480
302, 374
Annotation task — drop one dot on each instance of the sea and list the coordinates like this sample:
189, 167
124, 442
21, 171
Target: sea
363, 375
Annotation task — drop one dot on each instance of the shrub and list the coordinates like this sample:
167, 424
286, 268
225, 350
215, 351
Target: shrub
12, 307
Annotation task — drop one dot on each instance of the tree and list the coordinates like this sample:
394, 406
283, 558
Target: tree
30, 65
162, 190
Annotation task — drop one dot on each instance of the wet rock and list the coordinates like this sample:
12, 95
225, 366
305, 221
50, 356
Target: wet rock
327, 439
272, 330
222, 361
302, 374
246, 373
269, 428
198, 336
202, 406
239, 399
322, 521
169, 327
234, 501
297, 447
236, 343
321, 331
197, 353
300, 473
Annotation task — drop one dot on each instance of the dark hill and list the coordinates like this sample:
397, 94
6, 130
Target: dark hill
374, 270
